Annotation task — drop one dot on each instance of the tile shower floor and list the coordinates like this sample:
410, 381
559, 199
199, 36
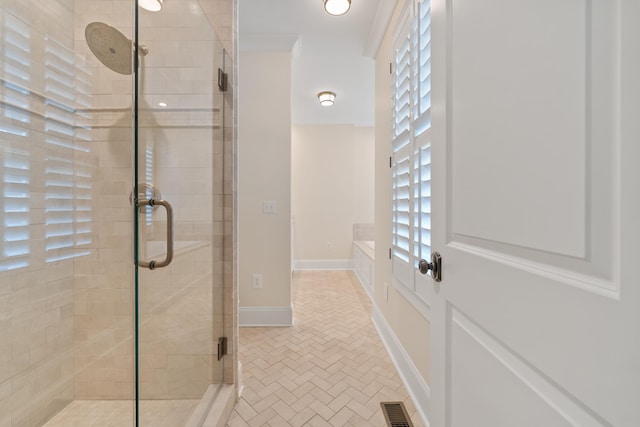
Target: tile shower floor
119, 413
330, 369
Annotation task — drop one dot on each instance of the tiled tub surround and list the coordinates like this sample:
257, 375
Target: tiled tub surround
364, 232
364, 264
364, 256
66, 297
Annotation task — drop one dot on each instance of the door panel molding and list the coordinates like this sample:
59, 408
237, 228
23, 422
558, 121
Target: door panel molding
506, 119
582, 277
582, 242
552, 405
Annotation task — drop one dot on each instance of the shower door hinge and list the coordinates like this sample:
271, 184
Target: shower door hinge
222, 347
389, 253
222, 80
390, 162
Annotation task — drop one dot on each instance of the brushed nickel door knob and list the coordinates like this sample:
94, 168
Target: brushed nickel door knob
435, 266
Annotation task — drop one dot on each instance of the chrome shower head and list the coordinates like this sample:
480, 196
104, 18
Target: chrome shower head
111, 47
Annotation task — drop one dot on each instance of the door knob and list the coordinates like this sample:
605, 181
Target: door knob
435, 266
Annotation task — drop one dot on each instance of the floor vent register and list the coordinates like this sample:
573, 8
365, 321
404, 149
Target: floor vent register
396, 414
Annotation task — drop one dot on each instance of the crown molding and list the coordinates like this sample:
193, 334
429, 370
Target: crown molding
379, 27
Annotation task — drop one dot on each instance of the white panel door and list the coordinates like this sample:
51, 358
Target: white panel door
536, 213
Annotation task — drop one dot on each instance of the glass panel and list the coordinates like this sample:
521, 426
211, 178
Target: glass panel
66, 229
180, 161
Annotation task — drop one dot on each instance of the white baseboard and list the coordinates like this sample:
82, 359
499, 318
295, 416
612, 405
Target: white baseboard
416, 386
266, 316
323, 264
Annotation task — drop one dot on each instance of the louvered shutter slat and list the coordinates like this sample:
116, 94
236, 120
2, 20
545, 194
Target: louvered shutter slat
412, 147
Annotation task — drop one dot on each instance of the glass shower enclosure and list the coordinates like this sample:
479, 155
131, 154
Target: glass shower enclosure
111, 213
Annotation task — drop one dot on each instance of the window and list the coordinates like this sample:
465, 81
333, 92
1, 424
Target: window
411, 148
16, 213
45, 186
67, 177
15, 210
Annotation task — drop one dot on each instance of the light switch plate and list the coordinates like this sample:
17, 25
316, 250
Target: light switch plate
269, 207
257, 281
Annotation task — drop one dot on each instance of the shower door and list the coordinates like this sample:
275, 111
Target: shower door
66, 224
111, 160
179, 215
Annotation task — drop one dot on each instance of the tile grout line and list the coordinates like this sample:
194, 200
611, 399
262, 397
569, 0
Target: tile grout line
333, 346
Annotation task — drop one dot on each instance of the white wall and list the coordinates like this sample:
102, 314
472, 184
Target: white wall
264, 174
332, 188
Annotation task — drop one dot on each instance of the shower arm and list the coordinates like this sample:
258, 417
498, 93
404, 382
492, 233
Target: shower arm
152, 265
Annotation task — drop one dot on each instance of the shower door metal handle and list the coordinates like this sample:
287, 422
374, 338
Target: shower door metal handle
152, 265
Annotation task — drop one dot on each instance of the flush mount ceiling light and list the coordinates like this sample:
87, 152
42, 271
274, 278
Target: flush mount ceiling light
337, 7
326, 98
152, 5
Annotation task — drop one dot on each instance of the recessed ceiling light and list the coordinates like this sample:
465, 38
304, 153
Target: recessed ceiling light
162, 104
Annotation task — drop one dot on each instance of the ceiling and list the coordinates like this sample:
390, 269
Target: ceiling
329, 53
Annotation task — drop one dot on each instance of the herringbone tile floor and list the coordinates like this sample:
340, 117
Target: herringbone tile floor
330, 369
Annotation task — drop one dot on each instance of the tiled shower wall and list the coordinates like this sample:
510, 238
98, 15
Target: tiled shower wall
182, 154
39, 190
66, 307
103, 303
364, 232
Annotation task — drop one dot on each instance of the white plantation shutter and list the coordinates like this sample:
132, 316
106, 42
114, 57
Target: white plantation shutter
401, 247
45, 190
68, 208
422, 201
422, 68
83, 207
59, 202
401, 148
402, 86
68, 201
16, 134
411, 146
15, 213
422, 131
